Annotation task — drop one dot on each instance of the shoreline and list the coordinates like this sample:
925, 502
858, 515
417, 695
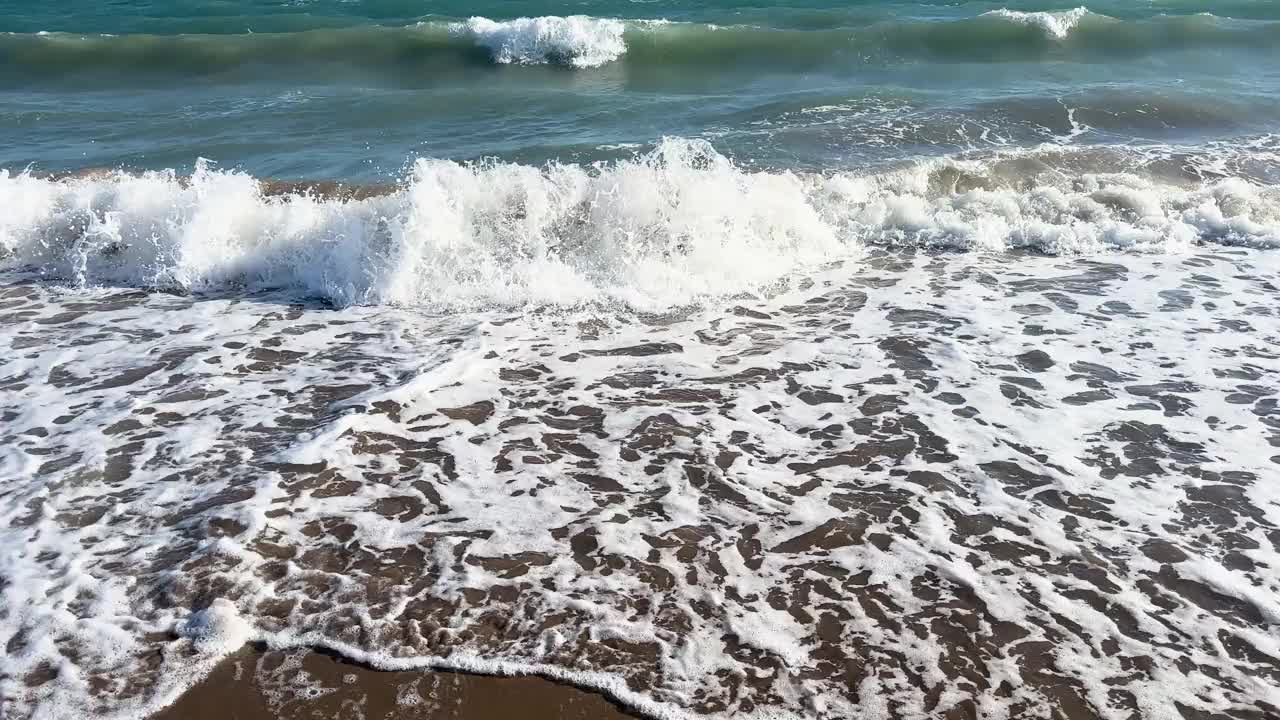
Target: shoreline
258, 683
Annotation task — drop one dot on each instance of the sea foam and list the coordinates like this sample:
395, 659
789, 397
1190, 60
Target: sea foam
663, 508
577, 41
217, 629
670, 227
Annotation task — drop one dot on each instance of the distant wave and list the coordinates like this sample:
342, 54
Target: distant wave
584, 43
577, 41
667, 228
1056, 24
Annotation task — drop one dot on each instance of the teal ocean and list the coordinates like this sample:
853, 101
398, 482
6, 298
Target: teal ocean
342, 90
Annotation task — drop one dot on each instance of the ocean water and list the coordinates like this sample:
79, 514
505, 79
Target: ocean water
357, 90
812, 360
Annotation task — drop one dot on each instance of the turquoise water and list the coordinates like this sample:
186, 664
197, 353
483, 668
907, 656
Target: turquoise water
334, 89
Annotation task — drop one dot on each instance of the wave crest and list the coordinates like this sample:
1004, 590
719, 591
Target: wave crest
1057, 25
576, 41
667, 228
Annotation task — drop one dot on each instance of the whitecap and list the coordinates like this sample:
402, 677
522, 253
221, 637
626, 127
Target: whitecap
577, 41
1057, 25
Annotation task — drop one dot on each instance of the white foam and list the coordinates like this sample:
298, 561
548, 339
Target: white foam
576, 40
218, 629
1057, 25
99, 599
671, 227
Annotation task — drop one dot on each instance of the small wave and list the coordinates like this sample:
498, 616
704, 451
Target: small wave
670, 227
1056, 24
434, 47
577, 41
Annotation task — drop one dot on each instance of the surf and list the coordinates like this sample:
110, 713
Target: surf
676, 225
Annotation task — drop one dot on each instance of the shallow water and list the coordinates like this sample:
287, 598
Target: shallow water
921, 485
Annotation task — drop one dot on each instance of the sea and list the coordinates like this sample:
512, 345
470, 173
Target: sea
804, 360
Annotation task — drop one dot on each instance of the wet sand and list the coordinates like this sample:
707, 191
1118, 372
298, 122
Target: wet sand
260, 684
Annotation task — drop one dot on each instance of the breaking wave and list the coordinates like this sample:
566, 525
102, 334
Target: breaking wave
577, 41
668, 227
1056, 24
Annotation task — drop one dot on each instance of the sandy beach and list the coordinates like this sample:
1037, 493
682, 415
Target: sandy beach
258, 684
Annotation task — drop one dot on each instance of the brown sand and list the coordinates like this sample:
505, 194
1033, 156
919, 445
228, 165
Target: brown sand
275, 685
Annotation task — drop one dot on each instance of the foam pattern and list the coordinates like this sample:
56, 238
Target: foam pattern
913, 486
